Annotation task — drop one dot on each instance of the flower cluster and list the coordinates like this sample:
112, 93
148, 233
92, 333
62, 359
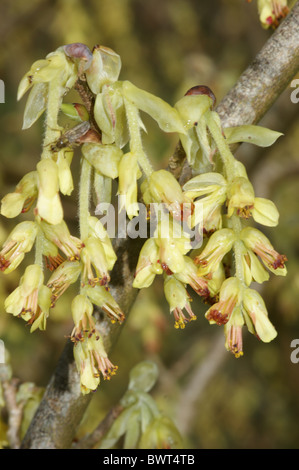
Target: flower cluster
214, 202
221, 203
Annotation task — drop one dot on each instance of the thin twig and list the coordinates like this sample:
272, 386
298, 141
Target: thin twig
93, 439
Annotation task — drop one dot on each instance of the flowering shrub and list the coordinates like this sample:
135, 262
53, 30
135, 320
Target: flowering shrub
218, 201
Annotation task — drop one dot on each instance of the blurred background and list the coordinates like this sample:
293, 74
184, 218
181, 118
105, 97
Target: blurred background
166, 47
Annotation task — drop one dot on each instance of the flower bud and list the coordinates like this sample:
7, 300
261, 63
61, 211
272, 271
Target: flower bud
49, 205
75, 111
104, 68
265, 212
64, 160
104, 158
256, 316
22, 198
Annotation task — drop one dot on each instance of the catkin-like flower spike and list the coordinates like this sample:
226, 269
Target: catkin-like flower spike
22, 198
179, 300
19, 242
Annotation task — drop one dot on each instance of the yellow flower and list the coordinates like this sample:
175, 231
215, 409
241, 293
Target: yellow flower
208, 190
48, 205
95, 265
164, 188
257, 242
92, 360
148, 265
219, 244
101, 297
82, 310
178, 299
66, 274
45, 70
31, 300
272, 11
60, 236
22, 198
97, 230
229, 298
19, 242
240, 196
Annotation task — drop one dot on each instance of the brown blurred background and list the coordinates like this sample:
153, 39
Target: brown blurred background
166, 47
